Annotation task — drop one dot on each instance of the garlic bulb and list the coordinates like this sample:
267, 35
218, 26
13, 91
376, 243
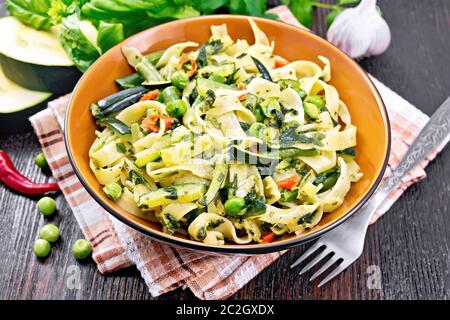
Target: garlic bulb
360, 31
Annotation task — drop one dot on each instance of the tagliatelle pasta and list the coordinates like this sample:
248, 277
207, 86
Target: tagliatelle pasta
226, 141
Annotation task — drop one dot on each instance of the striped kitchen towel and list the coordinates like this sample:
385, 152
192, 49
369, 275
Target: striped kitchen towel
164, 267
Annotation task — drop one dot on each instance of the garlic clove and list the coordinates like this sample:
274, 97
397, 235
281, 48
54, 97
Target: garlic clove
360, 31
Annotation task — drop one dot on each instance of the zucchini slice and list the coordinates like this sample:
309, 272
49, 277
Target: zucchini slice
181, 193
17, 104
35, 59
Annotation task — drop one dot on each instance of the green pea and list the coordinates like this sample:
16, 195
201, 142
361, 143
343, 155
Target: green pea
258, 130
234, 205
49, 232
41, 248
176, 108
40, 160
179, 79
81, 249
317, 100
47, 206
113, 190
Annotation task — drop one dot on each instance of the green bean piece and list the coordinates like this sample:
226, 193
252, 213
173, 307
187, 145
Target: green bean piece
329, 182
317, 100
171, 94
288, 195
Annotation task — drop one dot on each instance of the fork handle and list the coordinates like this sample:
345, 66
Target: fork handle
435, 132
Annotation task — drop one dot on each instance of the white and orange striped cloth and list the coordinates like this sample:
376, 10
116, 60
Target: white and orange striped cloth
165, 268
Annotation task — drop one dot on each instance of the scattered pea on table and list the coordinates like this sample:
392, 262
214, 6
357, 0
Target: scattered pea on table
49, 232
81, 249
47, 206
41, 248
40, 160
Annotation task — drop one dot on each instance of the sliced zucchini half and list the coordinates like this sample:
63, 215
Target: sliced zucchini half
35, 59
17, 104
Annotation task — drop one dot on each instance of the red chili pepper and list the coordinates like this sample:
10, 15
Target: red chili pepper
267, 237
288, 183
10, 177
192, 62
151, 122
280, 63
151, 95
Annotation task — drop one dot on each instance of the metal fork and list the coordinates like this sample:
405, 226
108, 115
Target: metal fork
345, 243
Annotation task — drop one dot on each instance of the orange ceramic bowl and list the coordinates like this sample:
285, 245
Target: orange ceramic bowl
354, 87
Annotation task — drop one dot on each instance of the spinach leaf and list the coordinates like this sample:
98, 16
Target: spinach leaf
109, 34
254, 204
202, 58
170, 223
136, 178
172, 192
31, 12
209, 6
214, 46
82, 52
120, 147
291, 136
303, 11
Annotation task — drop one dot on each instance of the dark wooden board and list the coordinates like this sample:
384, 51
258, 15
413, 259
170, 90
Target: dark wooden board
410, 245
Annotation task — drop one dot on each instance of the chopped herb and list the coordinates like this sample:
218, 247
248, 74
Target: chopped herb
244, 125
232, 78
265, 227
243, 54
328, 178
349, 152
201, 233
136, 178
255, 204
290, 136
307, 218
214, 224
170, 223
193, 96
214, 46
172, 192
120, 147
202, 58
210, 97
191, 215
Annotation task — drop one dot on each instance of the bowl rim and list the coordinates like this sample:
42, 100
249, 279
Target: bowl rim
246, 249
